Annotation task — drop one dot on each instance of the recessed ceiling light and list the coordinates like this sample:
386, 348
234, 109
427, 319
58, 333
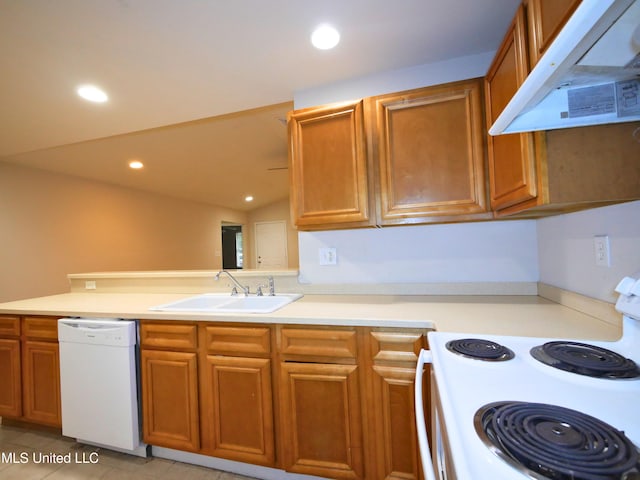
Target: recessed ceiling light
325, 37
248, 198
136, 164
92, 93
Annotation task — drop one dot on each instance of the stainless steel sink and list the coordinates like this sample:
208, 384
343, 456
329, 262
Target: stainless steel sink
224, 303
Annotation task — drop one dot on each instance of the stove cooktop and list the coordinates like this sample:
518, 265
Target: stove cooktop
550, 442
467, 386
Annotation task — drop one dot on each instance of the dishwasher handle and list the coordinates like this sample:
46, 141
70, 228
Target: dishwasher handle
423, 442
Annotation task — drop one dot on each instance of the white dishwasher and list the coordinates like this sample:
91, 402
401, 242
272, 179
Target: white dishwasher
98, 383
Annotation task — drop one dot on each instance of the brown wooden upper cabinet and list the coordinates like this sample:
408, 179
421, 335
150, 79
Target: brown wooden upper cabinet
428, 145
329, 167
546, 19
408, 157
512, 166
549, 172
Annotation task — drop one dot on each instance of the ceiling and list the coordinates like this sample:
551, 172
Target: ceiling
199, 88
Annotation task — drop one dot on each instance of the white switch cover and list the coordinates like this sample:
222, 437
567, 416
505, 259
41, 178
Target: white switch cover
90, 285
327, 256
601, 248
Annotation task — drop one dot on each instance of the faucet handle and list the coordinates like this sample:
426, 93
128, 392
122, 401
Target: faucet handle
259, 291
272, 286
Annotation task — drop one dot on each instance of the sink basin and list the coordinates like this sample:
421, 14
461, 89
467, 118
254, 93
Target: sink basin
222, 303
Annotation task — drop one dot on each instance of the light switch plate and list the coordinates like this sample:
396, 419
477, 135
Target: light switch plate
602, 251
327, 256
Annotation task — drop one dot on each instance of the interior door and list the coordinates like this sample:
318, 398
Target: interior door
271, 245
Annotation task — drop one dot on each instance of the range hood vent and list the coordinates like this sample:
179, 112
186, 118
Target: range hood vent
589, 75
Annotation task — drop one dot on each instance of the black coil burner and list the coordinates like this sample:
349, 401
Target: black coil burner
585, 359
480, 349
551, 442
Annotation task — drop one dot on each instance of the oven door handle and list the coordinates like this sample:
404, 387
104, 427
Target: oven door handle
423, 442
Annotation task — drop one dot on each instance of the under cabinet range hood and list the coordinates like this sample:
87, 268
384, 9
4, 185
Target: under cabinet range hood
589, 75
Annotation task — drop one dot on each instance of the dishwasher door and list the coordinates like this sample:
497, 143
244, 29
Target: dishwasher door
98, 383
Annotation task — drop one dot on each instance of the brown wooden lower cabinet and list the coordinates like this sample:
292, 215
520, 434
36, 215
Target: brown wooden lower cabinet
333, 402
321, 418
239, 406
30, 370
11, 384
41, 382
170, 399
393, 395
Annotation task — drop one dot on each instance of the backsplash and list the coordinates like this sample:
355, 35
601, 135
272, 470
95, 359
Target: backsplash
498, 251
567, 255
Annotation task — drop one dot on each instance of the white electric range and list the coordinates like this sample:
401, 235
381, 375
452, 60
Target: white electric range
511, 416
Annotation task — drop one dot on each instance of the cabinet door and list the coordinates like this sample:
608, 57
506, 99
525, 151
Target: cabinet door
10, 386
170, 399
328, 167
429, 146
546, 18
41, 382
512, 171
321, 420
394, 355
395, 414
238, 408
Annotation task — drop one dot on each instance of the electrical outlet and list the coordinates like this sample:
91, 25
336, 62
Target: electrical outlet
327, 256
602, 252
90, 285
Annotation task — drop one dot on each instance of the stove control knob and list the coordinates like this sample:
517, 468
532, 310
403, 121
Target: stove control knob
628, 286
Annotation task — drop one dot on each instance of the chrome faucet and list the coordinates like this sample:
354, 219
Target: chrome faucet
270, 284
237, 284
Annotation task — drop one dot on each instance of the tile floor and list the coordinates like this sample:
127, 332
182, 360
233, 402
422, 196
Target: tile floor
23, 451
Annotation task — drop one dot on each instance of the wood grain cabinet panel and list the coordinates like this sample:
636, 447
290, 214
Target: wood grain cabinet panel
394, 355
318, 343
321, 420
11, 375
168, 335
9, 326
396, 422
238, 341
329, 167
45, 328
41, 382
429, 148
546, 18
512, 166
239, 406
170, 399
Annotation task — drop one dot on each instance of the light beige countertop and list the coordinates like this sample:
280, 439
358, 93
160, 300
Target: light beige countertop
527, 315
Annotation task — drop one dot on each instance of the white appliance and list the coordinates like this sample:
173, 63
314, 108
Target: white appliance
471, 394
587, 76
98, 383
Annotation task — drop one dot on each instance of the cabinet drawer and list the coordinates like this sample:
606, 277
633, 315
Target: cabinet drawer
318, 343
9, 326
45, 328
168, 335
240, 341
396, 346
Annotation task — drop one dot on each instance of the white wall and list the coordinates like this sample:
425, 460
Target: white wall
396, 80
566, 251
464, 252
